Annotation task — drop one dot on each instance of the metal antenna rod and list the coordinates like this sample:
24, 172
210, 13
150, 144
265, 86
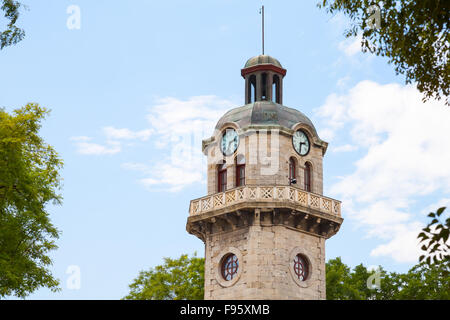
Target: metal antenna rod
263, 30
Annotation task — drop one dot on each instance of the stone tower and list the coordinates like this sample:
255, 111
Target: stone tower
264, 220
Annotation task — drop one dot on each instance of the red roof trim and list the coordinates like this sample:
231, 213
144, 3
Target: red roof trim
263, 67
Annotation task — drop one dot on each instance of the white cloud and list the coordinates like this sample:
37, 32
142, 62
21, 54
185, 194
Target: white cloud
81, 138
345, 148
112, 133
350, 46
89, 148
445, 202
173, 117
403, 247
178, 127
168, 176
342, 82
406, 156
112, 144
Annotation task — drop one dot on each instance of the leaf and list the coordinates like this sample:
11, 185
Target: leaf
440, 211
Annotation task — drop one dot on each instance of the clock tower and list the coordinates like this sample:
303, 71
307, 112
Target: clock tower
264, 220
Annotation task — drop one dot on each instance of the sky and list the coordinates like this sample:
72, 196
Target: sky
134, 86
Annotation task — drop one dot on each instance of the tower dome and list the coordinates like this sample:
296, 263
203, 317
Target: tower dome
262, 59
265, 113
263, 107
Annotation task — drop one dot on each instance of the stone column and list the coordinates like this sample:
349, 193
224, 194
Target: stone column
269, 84
281, 90
247, 89
258, 87
231, 175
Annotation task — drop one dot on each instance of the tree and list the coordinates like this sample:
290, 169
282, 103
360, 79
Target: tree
176, 279
412, 34
342, 283
183, 278
435, 240
421, 282
29, 180
12, 34
338, 281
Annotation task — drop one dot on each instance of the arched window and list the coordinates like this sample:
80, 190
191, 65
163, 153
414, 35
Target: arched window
276, 89
222, 177
292, 169
308, 175
240, 171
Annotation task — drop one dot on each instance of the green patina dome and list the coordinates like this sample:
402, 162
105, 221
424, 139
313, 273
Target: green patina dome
265, 113
262, 59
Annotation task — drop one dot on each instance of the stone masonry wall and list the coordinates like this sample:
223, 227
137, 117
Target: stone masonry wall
253, 170
265, 264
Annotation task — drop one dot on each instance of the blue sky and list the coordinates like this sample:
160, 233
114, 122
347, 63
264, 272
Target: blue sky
140, 78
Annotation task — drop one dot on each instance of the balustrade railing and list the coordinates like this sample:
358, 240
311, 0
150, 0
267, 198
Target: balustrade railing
265, 193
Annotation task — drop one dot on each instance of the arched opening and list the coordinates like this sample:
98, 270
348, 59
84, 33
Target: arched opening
264, 86
222, 177
240, 171
276, 89
292, 170
308, 177
252, 89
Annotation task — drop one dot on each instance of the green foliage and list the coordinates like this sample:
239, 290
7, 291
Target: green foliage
435, 239
29, 180
413, 35
422, 282
176, 279
337, 279
12, 34
183, 278
345, 284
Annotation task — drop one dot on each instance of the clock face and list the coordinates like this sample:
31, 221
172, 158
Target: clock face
230, 142
301, 142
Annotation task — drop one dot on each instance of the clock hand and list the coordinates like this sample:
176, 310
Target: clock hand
234, 140
229, 143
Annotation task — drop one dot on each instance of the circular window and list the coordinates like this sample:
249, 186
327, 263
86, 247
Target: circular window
301, 267
230, 266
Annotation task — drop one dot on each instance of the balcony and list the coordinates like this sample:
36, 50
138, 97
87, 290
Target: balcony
265, 197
